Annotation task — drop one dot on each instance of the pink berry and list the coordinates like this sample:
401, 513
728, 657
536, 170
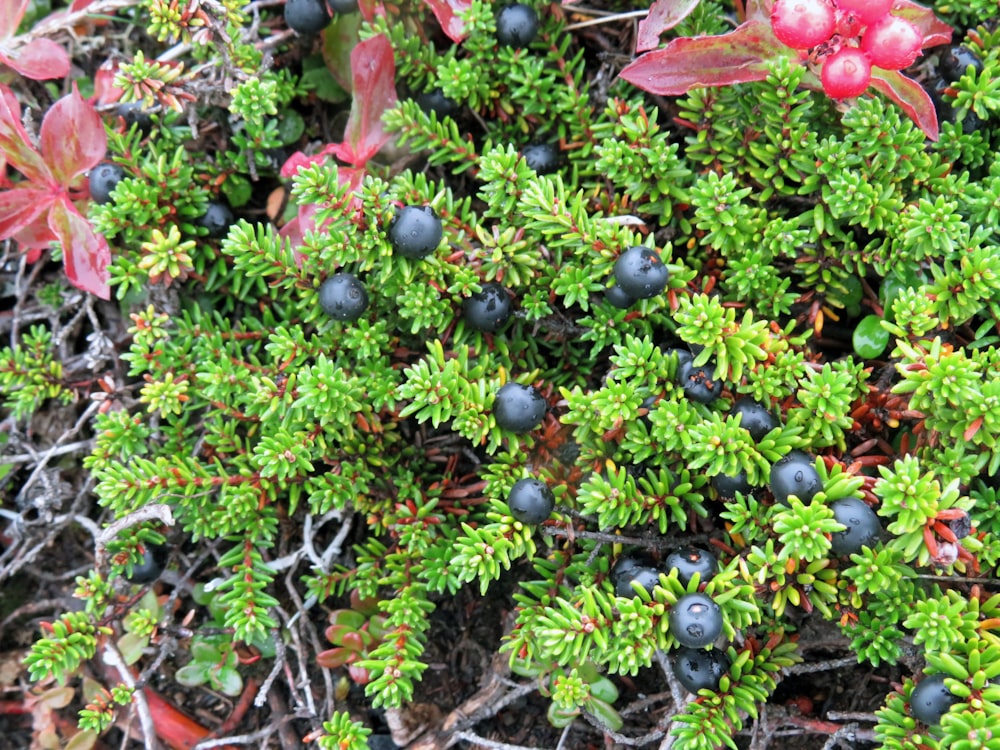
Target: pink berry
867, 11
892, 43
846, 73
802, 24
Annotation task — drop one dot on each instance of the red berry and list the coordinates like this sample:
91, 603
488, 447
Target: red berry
892, 43
866, 11
846, 73
802, 24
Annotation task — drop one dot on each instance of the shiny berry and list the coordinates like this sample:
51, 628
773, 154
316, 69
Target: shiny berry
955, 61
307, 16
866, 11
795, 474
683, 356
846, 73
618, 297
802, 24
135, 113
488, 309
727, 485
698, 382
415, 231
530, 501
641, 273
217, 219
695, 620
892, 43
863, 527
636, 569
517, 25
690, 560
519, 408
754, 418
697, 669
104, 178
543, 158
343, 297
931, 699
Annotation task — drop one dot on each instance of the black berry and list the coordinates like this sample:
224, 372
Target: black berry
637, 569
754, 418
435, 101
489, 309
307, 16
103, 180
154, 556
695, 620
961, 527
135, 113
931, 699
530, 501
683, 356
863, 527
517, 25
690, 560
217, 219
343, 297
415, 231
728, 485
794, 474
955, 60
697, 669
699, 383
641, 273
618, 297
542, 157
519, 408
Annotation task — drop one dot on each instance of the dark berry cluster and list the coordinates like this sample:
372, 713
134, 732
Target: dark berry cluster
852, 36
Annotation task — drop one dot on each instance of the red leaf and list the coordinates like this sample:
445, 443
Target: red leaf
972, 429
373, 71
20, 207
686, 63
910, 96
447, 13
15, 143
663, 15
40, 60
935, 30
11, 13
86, 255
72, 137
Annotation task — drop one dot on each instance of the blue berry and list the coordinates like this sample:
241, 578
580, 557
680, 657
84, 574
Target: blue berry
695, 620
217, 219
754, 418
697, 669
104, 178
415, 231
727, 485
863, 527
699, 383
641, 273
489, 309
517, 25
636, 569
530, 501
931, 699
519, 408
794, 474
542, 157
690, 560
307, 16
343, 297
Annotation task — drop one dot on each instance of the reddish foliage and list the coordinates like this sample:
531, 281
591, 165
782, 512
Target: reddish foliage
447, 13
742, 56
39, 59
41, 209
663, 15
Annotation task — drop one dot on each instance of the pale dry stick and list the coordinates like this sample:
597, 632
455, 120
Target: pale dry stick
236, 739
852, 716
821, 666
563, 736
279, 664
114, 659
628, 16
155, 511
22, 458
43, 460
622, 739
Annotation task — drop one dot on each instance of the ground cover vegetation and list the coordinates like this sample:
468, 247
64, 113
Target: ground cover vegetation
649, 353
